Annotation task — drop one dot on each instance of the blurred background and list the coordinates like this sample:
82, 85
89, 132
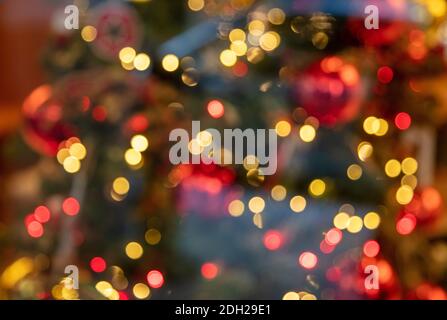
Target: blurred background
360, 114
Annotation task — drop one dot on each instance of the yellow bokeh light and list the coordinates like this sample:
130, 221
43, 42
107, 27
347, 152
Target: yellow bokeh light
204, 138
236, 208
62, 154
250, 162
142, 62
132, 157
127, 55
341, 220
371, 125
139, 143
239, 47
228, 58
196, 5
307, 133
393, 168
276, 16
404, 195
409, 166
170, 62
291, 296
255, 55
278, 193
371, 220
89, 33
298, 204
152, 236
78, 150
121, 186
383, 128
317, 188
256, 204
355, 224
309, 297
141, 291
354, 172
269, 41
256, 27
410, 180
437, 8
283, 128
134, 250
72, 164
194, 147
237, 35
364, 150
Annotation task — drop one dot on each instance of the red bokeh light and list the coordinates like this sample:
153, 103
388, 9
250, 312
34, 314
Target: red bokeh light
371, 248
209, 270
42, 214
308, 260
402, 121
385, 74
406, 224
99, 114
71, 206
215, 109
35, 229
98, 264
155, 279
333, 237
273, 240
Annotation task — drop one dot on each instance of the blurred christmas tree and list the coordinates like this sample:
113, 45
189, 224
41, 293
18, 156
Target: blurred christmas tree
359, 114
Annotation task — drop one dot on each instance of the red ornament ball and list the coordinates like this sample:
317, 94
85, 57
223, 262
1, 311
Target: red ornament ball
330, 90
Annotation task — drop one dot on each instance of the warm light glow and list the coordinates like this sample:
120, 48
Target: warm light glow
298, 204
278, 193
256, 204
355, 224
127, 55
228, 58
155, 279
134, 250
89, 33
141, 291
121, 186
354, 172
236, 208
141, 62
404, 195
139, 143
308, 260
283, 128
371, 220
393, 168
341, 220
170, 63
317, 188
307, 133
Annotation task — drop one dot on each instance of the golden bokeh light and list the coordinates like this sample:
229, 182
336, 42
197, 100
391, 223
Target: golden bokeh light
278, 193
393, 168
317, 188
298, 204
134, 250
228, 58
256, 204
354, 172
371, 220
283, 128
170, 62
307, 133
236, 208
121, 186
